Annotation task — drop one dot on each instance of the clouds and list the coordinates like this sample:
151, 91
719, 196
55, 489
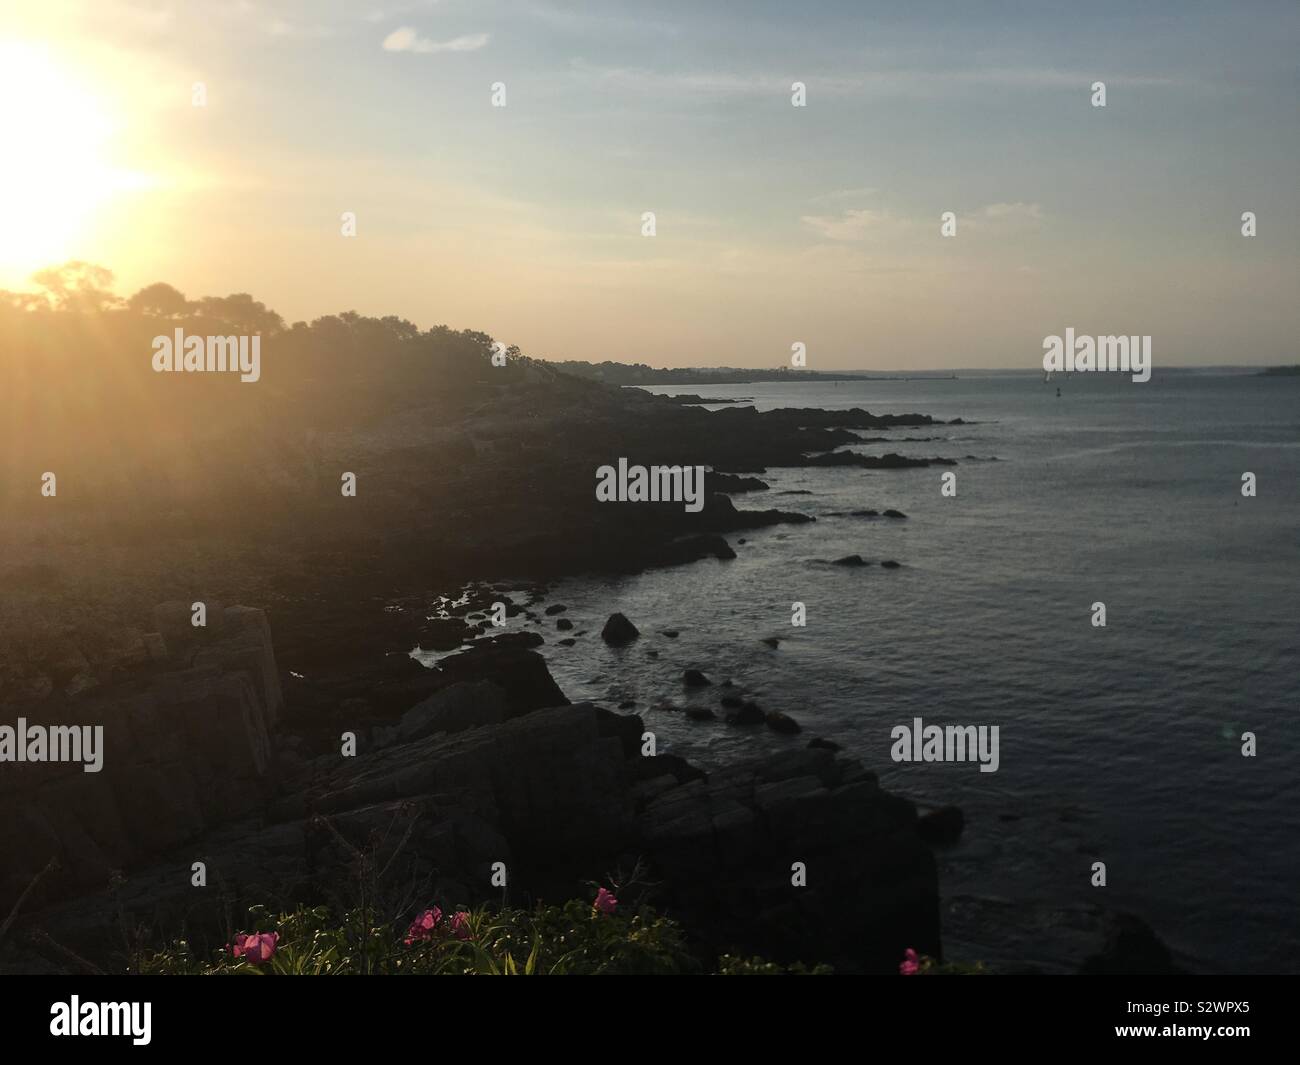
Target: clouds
407, 40
1032, 211
858, 224
849, 225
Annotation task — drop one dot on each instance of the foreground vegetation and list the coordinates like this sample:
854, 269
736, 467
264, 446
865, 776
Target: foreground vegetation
577, 938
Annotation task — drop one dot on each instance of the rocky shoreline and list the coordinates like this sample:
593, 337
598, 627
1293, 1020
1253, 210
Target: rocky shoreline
480, 761
226, 747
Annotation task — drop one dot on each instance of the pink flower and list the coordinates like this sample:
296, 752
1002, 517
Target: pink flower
460, 925
911, 964
258, 947
605, 902
422, 927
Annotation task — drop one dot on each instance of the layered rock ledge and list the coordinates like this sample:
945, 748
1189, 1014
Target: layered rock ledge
485, 763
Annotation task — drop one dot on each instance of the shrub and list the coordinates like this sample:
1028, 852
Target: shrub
573, 939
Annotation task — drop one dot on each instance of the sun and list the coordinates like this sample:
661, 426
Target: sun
55, 172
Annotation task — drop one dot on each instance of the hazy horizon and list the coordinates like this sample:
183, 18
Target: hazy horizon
775, 224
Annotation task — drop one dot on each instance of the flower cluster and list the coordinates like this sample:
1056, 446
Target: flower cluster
423, 927
257, 947
605, 902
429, 925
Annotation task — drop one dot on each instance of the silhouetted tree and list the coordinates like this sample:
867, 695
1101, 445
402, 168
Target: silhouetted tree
159, 299
78, 286
241, 311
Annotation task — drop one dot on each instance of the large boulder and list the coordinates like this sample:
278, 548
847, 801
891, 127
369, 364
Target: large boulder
723, 850
618, 631
521, 674
1130, 947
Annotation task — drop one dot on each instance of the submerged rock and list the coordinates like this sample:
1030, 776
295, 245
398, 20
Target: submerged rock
783, 723
850, 560
748, 714
693, 678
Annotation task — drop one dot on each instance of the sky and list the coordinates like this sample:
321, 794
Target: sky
774, 224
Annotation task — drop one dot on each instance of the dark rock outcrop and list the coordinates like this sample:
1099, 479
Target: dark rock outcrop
185, 749
520, 640
618, 631
492, 766
890, 461
748, 714
728, 850
1130, 948
522, 674
470, 704
444, 634
782, 722
733, 483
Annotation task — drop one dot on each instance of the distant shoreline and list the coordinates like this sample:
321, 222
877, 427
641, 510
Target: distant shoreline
641, 375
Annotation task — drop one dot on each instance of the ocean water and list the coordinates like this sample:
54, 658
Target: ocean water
1119, 744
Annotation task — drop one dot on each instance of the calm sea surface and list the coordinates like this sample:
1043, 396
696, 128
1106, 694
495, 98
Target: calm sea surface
1119, 744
